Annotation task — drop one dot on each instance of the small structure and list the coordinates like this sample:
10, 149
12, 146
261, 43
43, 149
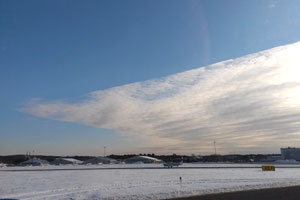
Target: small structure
268, 168
172, 164
65, 161
290, 153
142, 159
34, 162
100, 160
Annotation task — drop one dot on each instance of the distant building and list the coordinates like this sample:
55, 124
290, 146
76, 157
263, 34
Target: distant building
34, 162
65, 161
142, 159
290, 153
100, 160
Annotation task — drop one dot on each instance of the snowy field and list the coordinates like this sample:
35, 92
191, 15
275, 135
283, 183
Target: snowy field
138, 183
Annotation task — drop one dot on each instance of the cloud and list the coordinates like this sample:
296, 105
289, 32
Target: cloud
246, 104
271, 5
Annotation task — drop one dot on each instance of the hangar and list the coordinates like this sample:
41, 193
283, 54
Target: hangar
100, 160
34, 162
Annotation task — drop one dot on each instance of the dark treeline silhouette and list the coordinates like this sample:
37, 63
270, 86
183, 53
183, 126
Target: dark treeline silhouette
207, 158
236, 158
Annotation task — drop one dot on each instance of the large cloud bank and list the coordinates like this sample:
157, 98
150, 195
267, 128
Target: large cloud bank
247, 104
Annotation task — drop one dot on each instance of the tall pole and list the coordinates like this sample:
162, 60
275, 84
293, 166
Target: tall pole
215, 147
104, 151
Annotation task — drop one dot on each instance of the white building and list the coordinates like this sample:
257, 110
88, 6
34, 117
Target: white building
34, 162
290, 153
65, 161
142, 159
100, 160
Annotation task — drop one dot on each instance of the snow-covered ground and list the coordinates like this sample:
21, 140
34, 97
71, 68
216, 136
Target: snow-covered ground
137, 183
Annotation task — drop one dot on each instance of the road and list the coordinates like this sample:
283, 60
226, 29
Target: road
285, 193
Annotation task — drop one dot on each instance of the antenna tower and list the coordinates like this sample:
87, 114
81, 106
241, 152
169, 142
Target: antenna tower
104, 151
215, 143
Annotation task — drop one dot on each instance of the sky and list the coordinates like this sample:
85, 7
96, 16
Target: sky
140, 76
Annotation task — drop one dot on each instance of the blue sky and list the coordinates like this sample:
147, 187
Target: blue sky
63, 50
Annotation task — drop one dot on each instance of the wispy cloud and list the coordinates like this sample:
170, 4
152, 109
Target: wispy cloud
271, 5
246, 104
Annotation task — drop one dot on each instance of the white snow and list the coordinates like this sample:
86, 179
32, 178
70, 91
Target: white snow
66, 160
150, 158
138, 183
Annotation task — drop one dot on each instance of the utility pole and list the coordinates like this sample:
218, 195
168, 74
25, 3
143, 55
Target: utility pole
215, 143
104, 151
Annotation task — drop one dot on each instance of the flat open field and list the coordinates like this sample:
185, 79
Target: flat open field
138, 181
